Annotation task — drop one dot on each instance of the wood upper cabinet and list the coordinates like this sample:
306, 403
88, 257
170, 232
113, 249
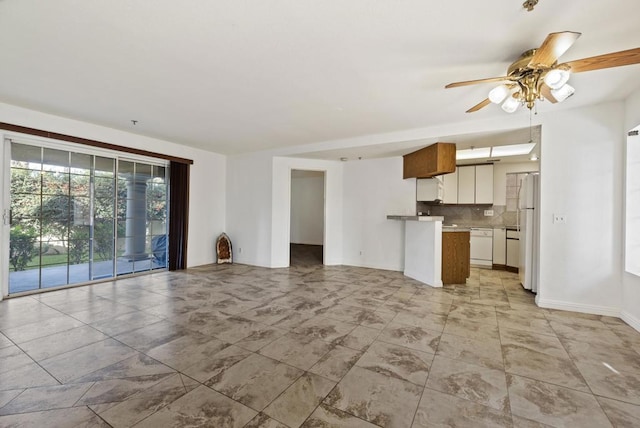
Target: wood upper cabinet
436, 159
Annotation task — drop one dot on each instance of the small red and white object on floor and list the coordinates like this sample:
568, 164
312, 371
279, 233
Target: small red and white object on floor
223, 249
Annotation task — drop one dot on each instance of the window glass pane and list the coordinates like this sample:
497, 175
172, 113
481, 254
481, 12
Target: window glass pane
104, 187
104, 166
159, 172
80, 163
55, 183
25, 205
55, 160
125, 167
25, 156
24, 181
80, 185
143, 171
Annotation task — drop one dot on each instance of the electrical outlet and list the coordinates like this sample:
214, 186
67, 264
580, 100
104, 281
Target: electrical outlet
560, 218
488, 213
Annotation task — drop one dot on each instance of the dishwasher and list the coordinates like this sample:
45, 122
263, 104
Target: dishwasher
481, 246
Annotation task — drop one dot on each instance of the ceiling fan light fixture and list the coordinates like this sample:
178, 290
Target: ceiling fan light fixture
563, 92
510, 105
556, 78
499, 94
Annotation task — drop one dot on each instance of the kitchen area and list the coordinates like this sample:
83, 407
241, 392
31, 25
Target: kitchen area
486, 201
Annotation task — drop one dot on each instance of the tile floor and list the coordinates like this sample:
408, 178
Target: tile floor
312, 346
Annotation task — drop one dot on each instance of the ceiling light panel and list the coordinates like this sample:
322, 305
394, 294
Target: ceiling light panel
512, 150
482, 152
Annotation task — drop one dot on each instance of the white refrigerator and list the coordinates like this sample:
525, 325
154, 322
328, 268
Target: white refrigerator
529, 219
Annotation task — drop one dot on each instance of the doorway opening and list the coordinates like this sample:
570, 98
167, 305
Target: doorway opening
307, 218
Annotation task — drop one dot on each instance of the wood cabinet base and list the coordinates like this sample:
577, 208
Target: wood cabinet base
455, 257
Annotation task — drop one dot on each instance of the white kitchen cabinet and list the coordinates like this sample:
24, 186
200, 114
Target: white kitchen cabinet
499, 246
450, 182
429, 189
475, 184
466, 184
484, 184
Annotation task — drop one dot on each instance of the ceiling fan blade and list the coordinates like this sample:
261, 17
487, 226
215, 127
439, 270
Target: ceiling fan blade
546, 92
614, 59
480, 105
553, 47
475, 82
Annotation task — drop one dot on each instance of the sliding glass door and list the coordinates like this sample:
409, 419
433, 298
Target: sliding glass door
78, 217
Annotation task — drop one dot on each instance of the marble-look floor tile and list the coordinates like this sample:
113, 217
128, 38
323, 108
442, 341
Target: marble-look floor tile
379, 399
261, 338
336, 363
476, 313
30, 375
116, 390
4, 341
554, 405
329, 417
151, 336
145, 403
187, 350
622, 359
621, 414
46, 398
26, 332
587, 333
543, 367
608, 382
397, 361
433, 322
7, 396
207, 368
470, 329
360, 338
326, 329
79, 362
443, 410
297, 350
124, 323
485, 353
13, 357
64, 341
74, 417
201, 407
135, 366
479, 384
549, 345
524, 323
300, 399
412, 337
263, 421
255, 381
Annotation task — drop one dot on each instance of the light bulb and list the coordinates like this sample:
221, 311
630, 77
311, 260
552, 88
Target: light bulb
510, 105
556, 78
498, 94
563, 92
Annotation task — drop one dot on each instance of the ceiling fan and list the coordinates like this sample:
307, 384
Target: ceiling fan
536, 75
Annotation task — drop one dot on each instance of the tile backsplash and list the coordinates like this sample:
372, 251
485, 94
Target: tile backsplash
470, 215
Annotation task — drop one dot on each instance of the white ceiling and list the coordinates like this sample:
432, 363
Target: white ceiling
239, 76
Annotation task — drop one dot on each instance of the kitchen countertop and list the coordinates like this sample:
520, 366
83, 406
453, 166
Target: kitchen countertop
415, 217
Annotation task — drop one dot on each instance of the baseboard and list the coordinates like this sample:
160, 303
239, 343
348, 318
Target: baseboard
372, 265
499, 267
578, 307
631, 320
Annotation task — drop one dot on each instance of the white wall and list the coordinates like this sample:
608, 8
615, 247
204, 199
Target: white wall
581, 177
500, 171
207, 196
631, 283
249, 208
281, 203
372, 190
307, 207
